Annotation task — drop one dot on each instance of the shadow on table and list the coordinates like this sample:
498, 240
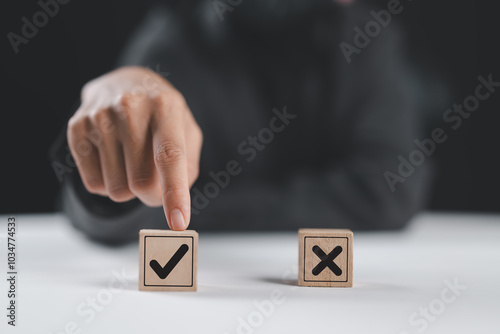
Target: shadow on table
291, 282
356, 285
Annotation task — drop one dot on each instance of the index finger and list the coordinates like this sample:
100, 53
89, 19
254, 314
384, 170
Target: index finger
171, 162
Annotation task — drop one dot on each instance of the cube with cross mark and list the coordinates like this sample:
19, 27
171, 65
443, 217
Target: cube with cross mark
325, 257
168, 260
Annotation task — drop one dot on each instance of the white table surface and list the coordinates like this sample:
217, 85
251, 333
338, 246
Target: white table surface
395, 275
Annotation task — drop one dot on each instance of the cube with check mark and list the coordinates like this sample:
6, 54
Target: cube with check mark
168, 260
325, 257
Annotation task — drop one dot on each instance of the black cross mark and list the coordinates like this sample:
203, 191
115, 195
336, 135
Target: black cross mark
327, 260
163, 272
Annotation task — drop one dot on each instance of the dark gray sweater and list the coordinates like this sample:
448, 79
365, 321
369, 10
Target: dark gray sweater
322, 165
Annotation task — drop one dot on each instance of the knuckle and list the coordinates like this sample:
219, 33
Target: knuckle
86, 88
160, 100
167, 153
119, 192
76, 125
94, 185
125, 104
102, 120
91, 84
75, 134
100, 115
125, 100
169, 100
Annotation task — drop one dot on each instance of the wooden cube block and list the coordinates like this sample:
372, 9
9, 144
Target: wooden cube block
325, 257
168, 260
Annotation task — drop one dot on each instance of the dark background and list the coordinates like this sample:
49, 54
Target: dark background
41, 83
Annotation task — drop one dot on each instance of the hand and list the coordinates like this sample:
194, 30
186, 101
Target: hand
135, 137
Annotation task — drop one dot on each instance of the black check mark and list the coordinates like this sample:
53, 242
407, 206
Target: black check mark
163, 272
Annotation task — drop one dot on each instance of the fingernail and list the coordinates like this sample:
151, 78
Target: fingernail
177, 220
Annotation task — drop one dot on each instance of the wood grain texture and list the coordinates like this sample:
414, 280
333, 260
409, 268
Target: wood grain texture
168, 260
332, 245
